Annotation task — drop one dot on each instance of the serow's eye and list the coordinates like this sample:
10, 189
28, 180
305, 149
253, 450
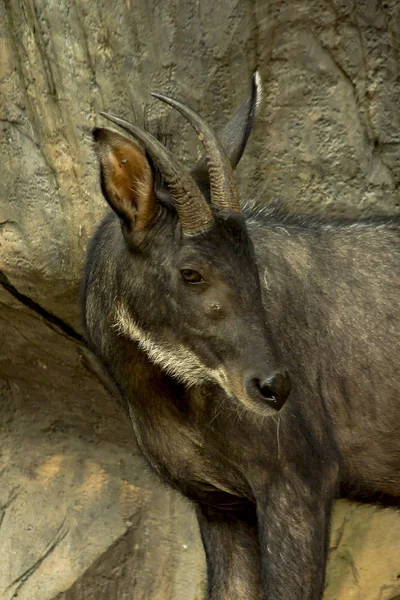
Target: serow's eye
191, 276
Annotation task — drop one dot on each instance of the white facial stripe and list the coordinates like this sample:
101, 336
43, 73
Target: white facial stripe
259, 90
176, 360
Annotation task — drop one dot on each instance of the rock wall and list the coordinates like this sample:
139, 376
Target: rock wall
80, 517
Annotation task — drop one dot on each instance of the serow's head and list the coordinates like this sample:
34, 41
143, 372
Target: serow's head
189, 291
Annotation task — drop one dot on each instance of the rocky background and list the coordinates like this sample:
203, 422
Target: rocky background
80, 516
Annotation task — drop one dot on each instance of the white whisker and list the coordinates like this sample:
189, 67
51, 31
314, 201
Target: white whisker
278, 422
283, 229
265, 279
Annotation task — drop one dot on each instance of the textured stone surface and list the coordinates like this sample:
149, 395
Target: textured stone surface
79, 516
365, 554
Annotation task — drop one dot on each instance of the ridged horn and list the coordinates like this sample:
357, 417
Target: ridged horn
223, 189
194, 213
235, 134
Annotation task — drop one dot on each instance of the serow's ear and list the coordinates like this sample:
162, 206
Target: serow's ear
235, 134
127, 180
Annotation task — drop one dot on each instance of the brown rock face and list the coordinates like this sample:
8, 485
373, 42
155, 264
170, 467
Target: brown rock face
80, 516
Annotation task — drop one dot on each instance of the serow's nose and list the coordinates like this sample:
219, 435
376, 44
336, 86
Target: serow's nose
273, 390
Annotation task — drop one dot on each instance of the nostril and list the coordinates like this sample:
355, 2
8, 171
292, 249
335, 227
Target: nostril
273, 390
265, 390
